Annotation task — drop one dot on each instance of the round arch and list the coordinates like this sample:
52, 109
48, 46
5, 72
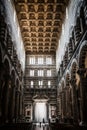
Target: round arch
75, 83
82, 58
7, 64
6, 90
74, 68
83, 55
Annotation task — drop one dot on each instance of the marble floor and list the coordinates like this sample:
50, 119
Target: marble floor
39, 126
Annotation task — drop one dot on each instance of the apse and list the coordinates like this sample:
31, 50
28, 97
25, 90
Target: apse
40, 112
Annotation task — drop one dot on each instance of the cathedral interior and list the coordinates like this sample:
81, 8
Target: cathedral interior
43, 63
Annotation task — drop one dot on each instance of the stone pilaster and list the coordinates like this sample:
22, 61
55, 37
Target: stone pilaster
6, 99
13, 104
74, 102
16, 105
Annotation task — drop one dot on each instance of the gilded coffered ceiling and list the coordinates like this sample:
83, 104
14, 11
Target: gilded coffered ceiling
40, 22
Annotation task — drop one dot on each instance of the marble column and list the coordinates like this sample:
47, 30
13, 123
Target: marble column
83, 90
16, 105
20, 104
5, 99
74, 102
13, 104
63, 105
66, 97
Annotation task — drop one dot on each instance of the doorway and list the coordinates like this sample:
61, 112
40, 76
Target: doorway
40, 112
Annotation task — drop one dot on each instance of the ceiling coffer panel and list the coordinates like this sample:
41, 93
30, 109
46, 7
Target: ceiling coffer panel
40, 23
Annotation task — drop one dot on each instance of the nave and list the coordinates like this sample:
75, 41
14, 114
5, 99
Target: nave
43, 64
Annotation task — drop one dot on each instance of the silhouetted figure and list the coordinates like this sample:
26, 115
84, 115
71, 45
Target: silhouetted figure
57, 120
40, 124
43, 120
